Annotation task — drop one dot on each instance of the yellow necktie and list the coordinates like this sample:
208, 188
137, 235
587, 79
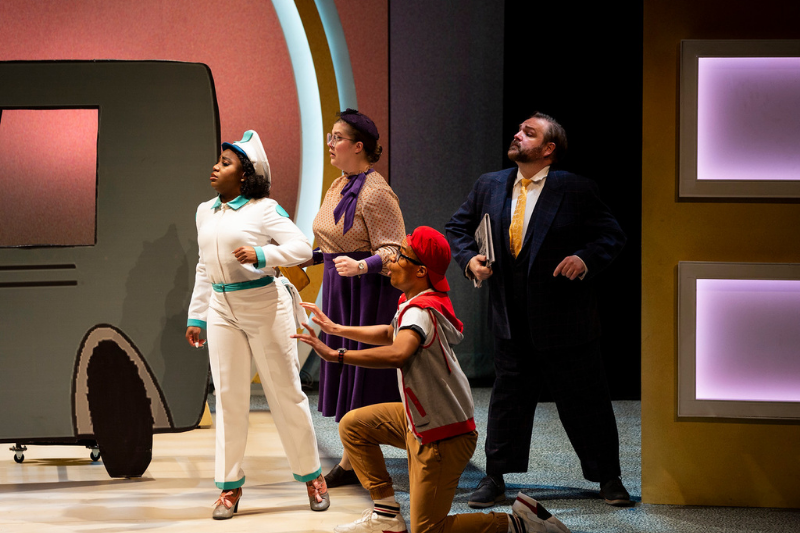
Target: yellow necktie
518, 219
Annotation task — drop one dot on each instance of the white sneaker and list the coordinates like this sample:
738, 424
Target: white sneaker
371, 522
530, 517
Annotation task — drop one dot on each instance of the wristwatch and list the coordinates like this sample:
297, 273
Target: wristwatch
362, 265
341, 355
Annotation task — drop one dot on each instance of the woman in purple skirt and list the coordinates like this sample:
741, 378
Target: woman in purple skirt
358, 228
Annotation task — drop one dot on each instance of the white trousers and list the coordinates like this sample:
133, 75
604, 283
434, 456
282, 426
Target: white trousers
256, 323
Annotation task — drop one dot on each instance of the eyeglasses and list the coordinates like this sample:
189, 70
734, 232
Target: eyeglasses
333, 140
398, 255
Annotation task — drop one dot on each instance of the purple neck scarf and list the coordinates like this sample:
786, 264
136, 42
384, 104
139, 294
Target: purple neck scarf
347, 205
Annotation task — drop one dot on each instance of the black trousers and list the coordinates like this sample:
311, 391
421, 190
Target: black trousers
576, 378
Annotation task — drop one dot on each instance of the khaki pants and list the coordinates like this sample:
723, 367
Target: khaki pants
433, 469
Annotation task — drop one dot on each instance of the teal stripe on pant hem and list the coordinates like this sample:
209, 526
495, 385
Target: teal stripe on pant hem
308, 477
229, 485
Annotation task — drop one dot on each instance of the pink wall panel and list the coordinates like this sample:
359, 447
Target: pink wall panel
366, 29
243, 45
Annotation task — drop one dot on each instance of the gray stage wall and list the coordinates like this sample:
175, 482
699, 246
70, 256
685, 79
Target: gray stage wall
446, 118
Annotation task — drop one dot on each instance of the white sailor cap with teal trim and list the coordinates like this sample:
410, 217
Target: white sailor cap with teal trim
250, 146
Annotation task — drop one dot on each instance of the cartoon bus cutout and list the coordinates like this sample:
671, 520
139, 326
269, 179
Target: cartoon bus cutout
92, 346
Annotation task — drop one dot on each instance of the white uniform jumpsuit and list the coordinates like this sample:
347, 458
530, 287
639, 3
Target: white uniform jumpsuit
246, 314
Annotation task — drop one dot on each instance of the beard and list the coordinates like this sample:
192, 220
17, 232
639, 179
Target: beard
524, 156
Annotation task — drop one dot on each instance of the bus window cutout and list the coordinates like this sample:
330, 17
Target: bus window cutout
48, 175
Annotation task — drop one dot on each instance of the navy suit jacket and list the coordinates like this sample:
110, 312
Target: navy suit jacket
569, 219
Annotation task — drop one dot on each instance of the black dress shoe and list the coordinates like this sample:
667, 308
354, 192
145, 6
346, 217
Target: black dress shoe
488, 493
613, 493
339, 477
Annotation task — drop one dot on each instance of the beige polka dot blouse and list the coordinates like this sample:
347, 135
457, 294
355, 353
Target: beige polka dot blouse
377, 226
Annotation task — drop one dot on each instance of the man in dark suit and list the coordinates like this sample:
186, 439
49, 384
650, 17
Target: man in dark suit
552, 235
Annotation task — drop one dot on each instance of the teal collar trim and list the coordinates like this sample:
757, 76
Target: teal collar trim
238, 202
234, 204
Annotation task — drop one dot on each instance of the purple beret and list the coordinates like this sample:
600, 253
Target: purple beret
360, 121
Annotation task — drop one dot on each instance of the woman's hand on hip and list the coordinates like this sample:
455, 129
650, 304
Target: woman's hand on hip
348, 267
245, 254
193, 336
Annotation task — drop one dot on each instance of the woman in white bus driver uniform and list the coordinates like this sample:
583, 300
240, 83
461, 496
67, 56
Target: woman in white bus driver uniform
241, 235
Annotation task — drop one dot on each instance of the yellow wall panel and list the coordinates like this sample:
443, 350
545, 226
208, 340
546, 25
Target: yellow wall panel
699, 461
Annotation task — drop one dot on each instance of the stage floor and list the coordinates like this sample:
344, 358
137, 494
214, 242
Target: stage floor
58, 488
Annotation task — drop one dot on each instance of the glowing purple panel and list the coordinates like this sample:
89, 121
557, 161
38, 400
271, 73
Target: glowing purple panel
748, 340
748, 118
48, 175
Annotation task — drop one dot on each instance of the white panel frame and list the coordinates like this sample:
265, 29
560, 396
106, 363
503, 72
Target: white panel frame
688, 184
688, 405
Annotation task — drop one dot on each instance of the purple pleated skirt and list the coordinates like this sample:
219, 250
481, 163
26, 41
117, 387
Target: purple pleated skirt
364, 300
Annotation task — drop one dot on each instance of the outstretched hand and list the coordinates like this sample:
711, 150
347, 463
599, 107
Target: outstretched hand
310, 338
319, 318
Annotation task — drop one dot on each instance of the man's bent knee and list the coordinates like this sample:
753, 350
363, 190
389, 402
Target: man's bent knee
346, 424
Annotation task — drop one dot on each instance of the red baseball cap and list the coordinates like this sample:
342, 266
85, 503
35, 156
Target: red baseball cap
433, 250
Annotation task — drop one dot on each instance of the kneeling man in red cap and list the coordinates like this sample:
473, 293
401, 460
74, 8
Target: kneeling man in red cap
434, 422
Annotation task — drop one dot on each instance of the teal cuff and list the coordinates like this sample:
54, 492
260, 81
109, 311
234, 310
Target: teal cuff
193, 322
228, 485
309, 477
262, 260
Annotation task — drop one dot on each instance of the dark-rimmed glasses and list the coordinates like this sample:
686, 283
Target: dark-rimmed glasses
398, 255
